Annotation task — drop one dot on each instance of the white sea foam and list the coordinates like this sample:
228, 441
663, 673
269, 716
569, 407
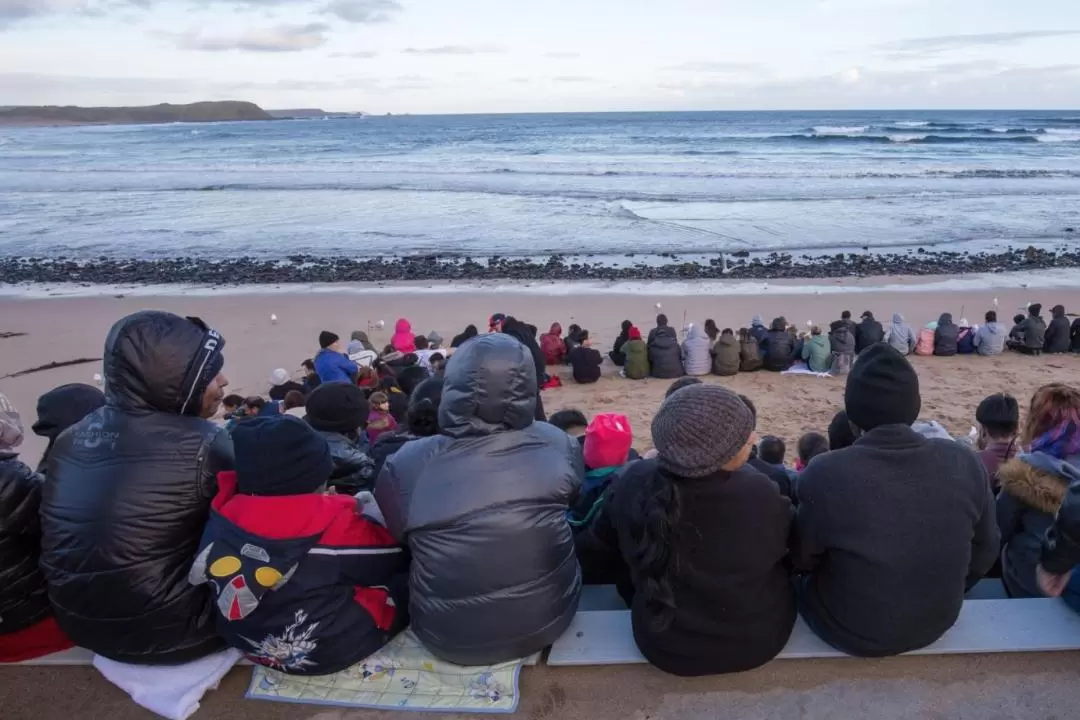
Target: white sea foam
907, 137
1057, 135
840, 129
911, 124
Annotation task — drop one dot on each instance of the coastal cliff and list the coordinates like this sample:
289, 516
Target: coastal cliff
52, 115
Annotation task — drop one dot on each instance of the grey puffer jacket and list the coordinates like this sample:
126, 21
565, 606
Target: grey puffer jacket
482, 507
696, 357
665, 358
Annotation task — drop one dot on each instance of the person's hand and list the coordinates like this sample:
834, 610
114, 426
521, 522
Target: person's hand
1052, 585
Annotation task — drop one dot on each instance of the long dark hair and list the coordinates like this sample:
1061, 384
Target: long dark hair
711, 330
655, 557
423, 415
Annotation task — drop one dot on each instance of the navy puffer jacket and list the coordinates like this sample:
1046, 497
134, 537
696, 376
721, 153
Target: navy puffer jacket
482, 507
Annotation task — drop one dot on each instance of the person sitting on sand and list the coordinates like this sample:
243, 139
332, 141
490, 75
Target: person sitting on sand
1057, 338
59, 409
636, 353
868, 332
946, 336
553, 346
526, 335
572, 422
468, 334
712, 331
758, 330
403, 339
585, 361
281, 385
749, 352
989, 340
435, 341
129, 491
358, 342
1033, 331
842, 342
482, 506
573, 338
311, 377
294, 404
696, 358
780, 477
380, 421
998, 419
616, 353
27, 627
817, 351
422, 420
286, 560
677, 523
608, 442
779, 347
665, 357
810, 445
331, 362
396, 395
773, 451
901, 336
726, 354
438, 364
877, 584
230, 405
339, 413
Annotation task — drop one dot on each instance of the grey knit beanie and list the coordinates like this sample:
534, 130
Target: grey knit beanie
701, 428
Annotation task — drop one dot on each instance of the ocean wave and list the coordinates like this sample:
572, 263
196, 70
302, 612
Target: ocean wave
904, 138
839, 129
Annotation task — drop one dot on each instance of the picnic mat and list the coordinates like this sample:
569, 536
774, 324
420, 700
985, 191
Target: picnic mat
801, 369
401, 676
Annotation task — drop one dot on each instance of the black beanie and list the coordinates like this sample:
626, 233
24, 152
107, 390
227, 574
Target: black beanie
327, 338
840, 435
337, 407
280, 455
882, 389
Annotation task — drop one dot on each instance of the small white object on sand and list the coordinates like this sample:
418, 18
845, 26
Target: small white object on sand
658, 306
381, 324
273, 318
995, 302
97, 378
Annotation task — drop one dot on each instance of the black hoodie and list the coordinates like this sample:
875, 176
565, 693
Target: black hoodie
868, 332
618, 357
1057, 332
946, 337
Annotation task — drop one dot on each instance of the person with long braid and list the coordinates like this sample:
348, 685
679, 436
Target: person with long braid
702, 538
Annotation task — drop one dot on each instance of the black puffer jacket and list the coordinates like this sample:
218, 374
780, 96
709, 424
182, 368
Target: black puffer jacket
1057, 332
665, 356
868, 332
354, 470
841, 338
779, 347
128, 495
23, 598
946, 337
483, 509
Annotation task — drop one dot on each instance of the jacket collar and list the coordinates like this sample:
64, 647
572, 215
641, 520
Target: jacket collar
1037, 487
891, 437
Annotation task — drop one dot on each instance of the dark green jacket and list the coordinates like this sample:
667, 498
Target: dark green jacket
637, 359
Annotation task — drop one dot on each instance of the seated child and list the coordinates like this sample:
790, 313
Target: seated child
636, 356
1016, 335
438, 364
680, 384
585, 360
607, 448
380, 421
770, 461
811, 445
303, 582
230, 405
399, 399
294, 404
572, 422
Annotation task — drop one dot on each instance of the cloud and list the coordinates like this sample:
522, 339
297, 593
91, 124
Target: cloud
12, 11
281, 38
562, 55
361, 55
364, 11
709, 66
945, 43
453, 50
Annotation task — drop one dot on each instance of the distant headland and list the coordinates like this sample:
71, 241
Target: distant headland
54, 115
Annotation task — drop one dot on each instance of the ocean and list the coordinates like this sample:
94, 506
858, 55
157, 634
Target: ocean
601, 185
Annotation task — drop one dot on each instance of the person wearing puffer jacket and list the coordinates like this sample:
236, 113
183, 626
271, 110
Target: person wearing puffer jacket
779, 347
339, 413
946, 336
483, 508
817, 352
868, 332
1057, 332
901, 336
990, 339
128, 494
665, 357
726, 354
403, 340
696, 359
636, 356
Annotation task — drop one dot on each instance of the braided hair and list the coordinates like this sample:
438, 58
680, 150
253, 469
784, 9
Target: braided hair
655, 557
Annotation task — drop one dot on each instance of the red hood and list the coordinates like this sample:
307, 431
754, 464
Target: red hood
556, 329
403, 326
281, 517
634, 333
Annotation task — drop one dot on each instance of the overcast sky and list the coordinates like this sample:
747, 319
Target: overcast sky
449, 56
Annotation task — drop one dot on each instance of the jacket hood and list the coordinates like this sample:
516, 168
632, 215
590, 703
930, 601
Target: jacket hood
728, 341
869, 316
626, 325
520, 331
62, 407
840, 328
1058, 311
820, 340
756, 320
664, 336
1034, 486
160, 362
897, 319
633, 333
696, 333
359, 336
403, 326
556, 329
490, 386
994, 328
945, 319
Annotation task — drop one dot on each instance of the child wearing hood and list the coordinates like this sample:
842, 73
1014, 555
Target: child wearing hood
990, 339
636, 352
901, 336
403, 340
608, 440
616, 354
946, 336
290, 565
553, 346
585, 361
817, 351
749, 352
725, 354
380, 421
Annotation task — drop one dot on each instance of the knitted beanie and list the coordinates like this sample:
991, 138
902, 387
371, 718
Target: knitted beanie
882, 389
280, 455
701, 428
327, 338
337, 407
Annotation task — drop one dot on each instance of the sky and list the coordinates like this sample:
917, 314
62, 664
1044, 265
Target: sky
469, 56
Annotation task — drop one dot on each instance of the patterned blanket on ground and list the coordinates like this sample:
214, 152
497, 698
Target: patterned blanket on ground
801, 369
402, 676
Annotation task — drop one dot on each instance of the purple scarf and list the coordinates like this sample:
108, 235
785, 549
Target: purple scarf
1061, 441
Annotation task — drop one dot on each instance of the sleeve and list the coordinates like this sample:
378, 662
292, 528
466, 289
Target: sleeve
913, 339
978, 339
806, 348
20, 502
807, 545
367, 554
389, 493
986, 543
218, 458
351, 369
1061, 547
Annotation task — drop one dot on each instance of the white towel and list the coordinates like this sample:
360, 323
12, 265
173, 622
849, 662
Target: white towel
171, 691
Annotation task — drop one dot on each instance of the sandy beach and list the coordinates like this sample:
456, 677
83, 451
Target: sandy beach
65, 328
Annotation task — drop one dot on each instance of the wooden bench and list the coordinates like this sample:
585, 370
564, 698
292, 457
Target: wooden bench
82, 656
604, 637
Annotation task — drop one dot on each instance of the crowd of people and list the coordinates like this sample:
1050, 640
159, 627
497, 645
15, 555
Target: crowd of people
425, 486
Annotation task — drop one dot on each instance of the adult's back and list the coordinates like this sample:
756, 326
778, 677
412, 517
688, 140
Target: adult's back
901, 336
725, 355
1034, 329
946, 336
1057, 338
665, 357
128, 494
526, 335
779, 347
868, 332
841, 338
483, 508
696, 358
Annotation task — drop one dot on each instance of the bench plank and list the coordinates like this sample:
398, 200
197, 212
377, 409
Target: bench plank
984, 626
82, 656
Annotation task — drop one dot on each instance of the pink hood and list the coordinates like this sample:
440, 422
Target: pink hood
403, 341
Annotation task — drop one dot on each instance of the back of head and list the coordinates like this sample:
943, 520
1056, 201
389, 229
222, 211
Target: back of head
423, 417
701, 430
327, 338
846, 315
840, 434
556, 329
815, 330
337, 407
633, 333
661, 320
811, 445
1053, 421
403, 327
1058, 311
409, 377
867, 315
62, 407
1018, 319
607, 441
897, 319
680, 384
279, 455
11, 425
626, 325
1000, 415
779, 324
945, 319
991, 316
728, 331
490, 386
573, 422
882, 389
279, 377
293, 399
421, 342
162, 362
1035, 309
772, 450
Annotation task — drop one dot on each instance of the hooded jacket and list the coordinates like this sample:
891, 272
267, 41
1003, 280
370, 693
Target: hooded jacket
665, 357
817, 353
128, 495
303, 584
1033, 487
1057, 333
358, 342
758, 331
332, 366
403, 339
526, 335
749, 355
616, 353
696, 358
725, 356
990, 339
586, 362
482, 506
779, 347
946, 336
636, 352
24, 600
901, 336
841, 338
1034, 329
353, 470
868, 332
552, 345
